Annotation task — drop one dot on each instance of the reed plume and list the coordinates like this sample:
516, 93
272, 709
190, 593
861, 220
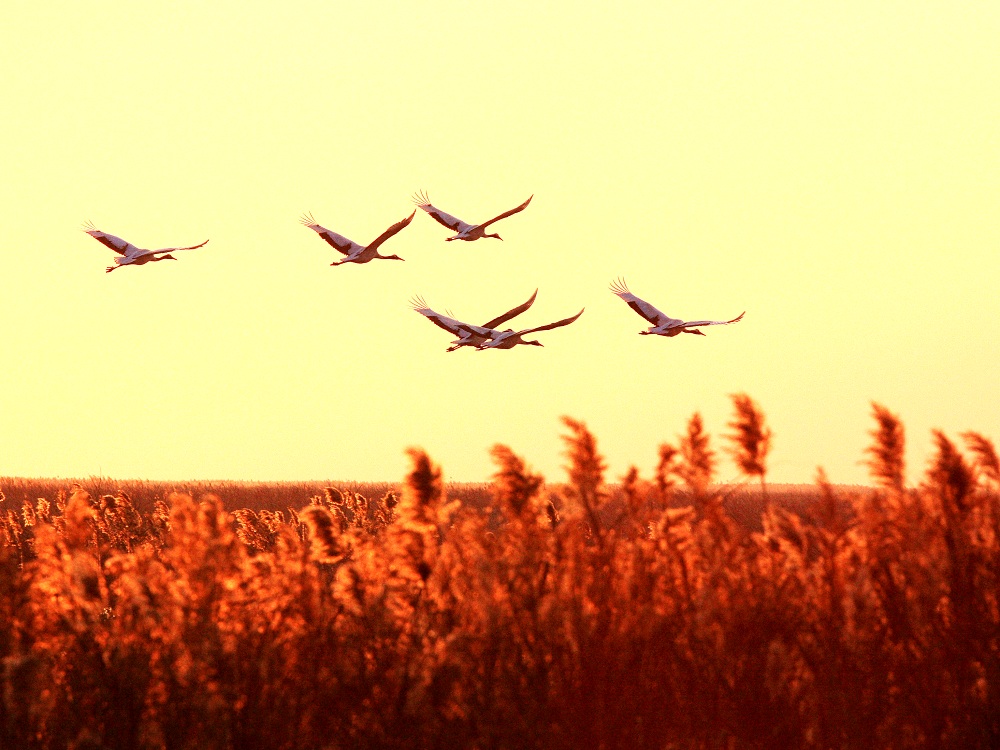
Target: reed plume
886, 463
325, 541
586, 473
750, 439
666, 469
950, 475
637, 502
79, 520
515, 488
415, 530
984, 454
697, 460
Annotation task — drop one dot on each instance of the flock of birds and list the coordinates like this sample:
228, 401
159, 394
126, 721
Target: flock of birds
486, 336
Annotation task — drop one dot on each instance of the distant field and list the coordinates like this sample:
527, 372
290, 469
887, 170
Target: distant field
744, 502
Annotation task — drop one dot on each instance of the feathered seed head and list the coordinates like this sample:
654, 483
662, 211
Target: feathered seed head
424, 488
79, 520
950, 475
886, 464
751, 438
666, 467
324, 534
984, 456
586, 465
514, 487
697, 458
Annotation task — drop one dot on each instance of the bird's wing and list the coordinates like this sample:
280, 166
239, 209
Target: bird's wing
511, 313
446, 220
643, 308
549, 326
173, 249
693, 323
120, 246
337, 241
395, 228
505, 214
454, 327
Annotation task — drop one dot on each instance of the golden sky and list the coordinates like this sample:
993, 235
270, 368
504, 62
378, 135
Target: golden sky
832, 168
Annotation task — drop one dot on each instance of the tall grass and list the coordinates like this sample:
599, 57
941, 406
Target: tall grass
666, 613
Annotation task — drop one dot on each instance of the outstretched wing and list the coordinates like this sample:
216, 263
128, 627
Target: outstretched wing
173, 249
643, 308
513, 313
693, 323
549, 326
505, 214
120, 246
337, 241
395, 228
445, 220
454, 327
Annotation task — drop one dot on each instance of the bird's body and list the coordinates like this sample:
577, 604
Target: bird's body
129, 254
353, 252
468, 334
463, 230
662, 324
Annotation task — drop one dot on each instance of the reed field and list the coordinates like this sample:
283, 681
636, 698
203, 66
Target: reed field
654, 610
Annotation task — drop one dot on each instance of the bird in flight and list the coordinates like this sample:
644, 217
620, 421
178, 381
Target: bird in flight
468, 335
129, 254
467, 232
660, 323
509, 339
354, 252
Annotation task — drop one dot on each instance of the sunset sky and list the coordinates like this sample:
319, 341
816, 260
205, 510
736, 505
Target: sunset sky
831, 168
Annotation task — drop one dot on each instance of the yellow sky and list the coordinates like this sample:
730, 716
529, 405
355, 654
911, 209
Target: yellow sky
831, 168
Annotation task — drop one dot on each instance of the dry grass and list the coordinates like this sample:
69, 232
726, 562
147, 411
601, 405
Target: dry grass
667, 613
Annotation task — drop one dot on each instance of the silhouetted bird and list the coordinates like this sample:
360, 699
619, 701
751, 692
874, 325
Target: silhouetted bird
356, 253
467, 232
468, 334
509, 339
662, 324
130, 254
